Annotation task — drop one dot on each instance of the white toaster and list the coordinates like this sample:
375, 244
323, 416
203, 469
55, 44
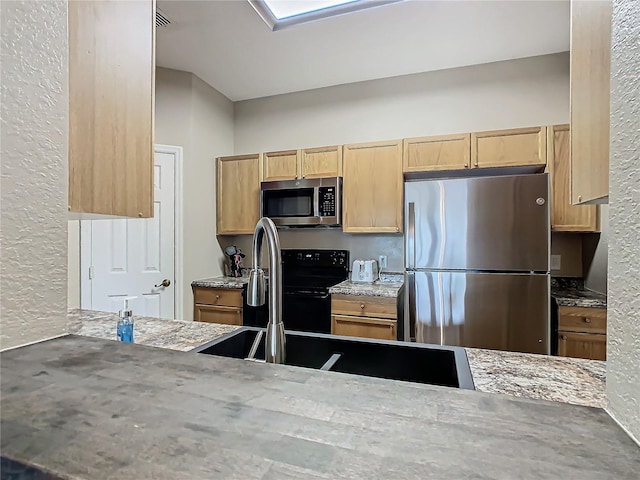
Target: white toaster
365, 271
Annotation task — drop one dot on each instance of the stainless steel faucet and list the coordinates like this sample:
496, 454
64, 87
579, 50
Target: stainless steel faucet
275, 342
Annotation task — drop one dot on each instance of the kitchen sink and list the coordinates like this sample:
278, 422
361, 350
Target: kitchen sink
409, 362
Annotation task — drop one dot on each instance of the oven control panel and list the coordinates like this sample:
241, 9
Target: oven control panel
327, 201
316, 258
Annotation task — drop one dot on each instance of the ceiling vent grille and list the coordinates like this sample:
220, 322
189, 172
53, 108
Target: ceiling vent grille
161, 19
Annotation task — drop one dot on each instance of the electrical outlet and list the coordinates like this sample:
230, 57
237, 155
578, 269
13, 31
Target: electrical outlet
382, 261
556, 262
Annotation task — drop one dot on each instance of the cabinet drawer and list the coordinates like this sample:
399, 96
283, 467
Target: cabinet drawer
227, 297
591, 346
581, 319
378, 328
211, 314
382, 307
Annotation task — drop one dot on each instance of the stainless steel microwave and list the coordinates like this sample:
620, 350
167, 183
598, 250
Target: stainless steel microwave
303, 203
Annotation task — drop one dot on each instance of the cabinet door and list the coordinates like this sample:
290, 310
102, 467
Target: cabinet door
111, 107
280, 166
582, 345
372, 187
238, 194
509, 148
379, 328
213, 314
564, 216
449, 152
321, 162
590, 70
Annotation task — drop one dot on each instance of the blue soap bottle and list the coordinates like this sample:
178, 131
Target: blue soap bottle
125, 322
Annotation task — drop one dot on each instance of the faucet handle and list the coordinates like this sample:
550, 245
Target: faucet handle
256, 288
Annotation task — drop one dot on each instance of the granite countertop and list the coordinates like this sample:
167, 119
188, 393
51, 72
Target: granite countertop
576, 381
389, 285
571, 292
91, 408
558, 379
569, 297
222, 282
154, 332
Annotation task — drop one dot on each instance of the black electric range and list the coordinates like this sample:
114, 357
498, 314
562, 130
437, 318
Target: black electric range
307, 276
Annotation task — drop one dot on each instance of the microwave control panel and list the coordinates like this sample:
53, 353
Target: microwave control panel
327, 201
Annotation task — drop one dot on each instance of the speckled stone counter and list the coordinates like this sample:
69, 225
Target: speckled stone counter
558, 379
221, 282
388, 286
579, 298
570, 292
577, 381
154, 332
93, 409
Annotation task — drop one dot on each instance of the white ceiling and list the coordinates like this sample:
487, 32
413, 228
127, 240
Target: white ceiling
228, 45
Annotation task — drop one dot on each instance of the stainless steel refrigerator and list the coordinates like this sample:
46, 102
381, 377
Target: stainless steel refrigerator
477, 262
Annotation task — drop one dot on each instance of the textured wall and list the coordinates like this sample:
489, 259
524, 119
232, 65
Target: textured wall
33, 252
623, 340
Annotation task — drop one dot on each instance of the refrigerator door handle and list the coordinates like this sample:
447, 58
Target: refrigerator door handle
410, 334
411, 236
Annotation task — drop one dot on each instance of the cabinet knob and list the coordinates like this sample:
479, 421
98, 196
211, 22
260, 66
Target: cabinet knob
476, 164
362, 306
466, 165
587, 320
563, 337
217, 297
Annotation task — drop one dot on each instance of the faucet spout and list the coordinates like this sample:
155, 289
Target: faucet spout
275, 340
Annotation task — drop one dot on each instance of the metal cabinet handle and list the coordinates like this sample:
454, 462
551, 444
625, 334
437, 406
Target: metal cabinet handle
362, 306
217, 297
165, 283
563, 337
466, 165
587, 320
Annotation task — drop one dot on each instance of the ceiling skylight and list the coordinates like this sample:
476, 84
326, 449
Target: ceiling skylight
279, 14
290, 8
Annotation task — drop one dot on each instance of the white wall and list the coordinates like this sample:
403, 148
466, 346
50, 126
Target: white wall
623, 329
33, 237
517, 93
193, 115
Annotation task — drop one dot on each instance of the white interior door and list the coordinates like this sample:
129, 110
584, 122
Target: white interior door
132, 257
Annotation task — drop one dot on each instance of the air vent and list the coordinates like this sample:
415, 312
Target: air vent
161, 19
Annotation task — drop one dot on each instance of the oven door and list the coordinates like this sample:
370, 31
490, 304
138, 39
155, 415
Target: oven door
306, 311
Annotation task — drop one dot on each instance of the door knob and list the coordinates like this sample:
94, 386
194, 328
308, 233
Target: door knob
165, 283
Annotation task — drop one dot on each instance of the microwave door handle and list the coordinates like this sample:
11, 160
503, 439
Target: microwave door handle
316, 202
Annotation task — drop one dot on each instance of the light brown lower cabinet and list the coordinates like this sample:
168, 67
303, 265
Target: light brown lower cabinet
361, 316
217, 305
582, 332
366, 327
582, 345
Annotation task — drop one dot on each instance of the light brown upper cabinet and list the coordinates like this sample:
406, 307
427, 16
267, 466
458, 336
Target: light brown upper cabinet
448, 152
111, 107
283, 165
590, 70
509, 148
564, 216
372, 187
237, 194
321, 162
